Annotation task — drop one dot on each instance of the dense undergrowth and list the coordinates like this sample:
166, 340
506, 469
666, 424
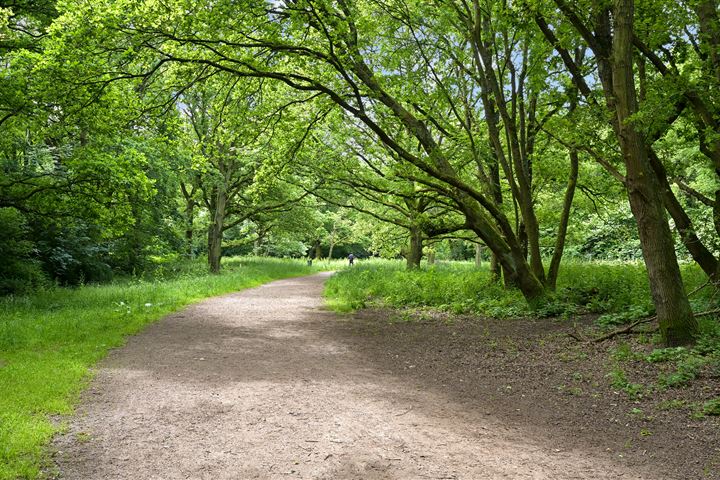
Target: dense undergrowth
49, 340
617, 293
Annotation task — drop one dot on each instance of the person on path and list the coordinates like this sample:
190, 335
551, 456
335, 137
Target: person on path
351, 259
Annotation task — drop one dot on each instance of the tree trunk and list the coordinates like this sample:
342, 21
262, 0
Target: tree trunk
189, 228
516, 270
331, 241
318, 249
521, 186
677, 323
523, 238
414, 254
709, 19
495, 270
189, 218
698, 251
564, 220
478, 255
215, 232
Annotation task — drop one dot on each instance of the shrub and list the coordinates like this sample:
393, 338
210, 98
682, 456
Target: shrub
19, 271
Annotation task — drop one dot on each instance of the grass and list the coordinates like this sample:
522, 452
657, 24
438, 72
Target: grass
48, 342
618, 290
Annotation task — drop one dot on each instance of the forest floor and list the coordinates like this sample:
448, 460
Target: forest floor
267, 383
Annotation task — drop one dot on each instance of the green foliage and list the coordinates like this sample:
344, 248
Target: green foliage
687, 368
619, 290
456, 287
708, 342
619, 380
673, 404
605, 286
623, 352
613, 319
19, 270
666, 354
613, 239
49, 340
72, 254
711, 407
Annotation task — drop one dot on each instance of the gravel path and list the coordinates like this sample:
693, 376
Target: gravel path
250, 385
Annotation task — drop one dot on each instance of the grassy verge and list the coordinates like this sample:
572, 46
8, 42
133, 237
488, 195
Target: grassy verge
49, 341
614, 289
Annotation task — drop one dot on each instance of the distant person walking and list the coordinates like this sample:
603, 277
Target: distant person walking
351, 259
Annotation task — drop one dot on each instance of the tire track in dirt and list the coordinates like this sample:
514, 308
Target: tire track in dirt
249, 385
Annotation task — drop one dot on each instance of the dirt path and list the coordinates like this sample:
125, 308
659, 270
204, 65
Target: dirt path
250, 385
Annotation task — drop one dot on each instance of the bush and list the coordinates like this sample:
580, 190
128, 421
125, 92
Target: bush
457, 287
19, 271
72, 255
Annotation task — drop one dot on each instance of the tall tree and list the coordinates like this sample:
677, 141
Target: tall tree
235, 133
613, 45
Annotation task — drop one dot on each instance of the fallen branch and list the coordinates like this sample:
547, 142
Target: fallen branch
577, 336
708, 312
628, 329
708, 282
624, 330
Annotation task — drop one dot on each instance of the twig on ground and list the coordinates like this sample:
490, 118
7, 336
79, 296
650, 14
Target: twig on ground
577, 336
624, 330
708, 282
708, 312
628, 329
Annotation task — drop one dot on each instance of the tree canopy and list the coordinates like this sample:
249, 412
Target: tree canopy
536, 129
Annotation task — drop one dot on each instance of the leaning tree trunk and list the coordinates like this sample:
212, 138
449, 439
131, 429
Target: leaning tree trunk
698, 251
495, 270
551, 279
677, 324
215, 232
516, 270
